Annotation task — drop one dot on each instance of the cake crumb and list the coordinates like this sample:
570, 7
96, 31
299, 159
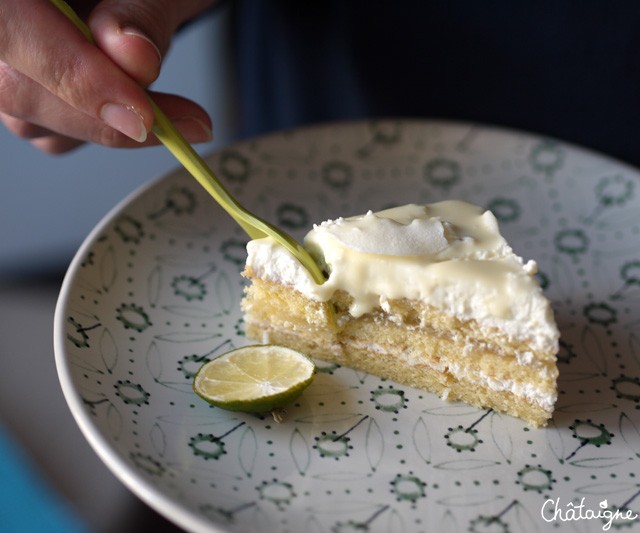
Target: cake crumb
279, 415
531, 267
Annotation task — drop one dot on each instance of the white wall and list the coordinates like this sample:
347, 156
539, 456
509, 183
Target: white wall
48, 204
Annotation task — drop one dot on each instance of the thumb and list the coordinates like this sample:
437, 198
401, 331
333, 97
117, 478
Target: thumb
136, 34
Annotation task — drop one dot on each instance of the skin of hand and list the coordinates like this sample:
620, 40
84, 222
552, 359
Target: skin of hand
58, 90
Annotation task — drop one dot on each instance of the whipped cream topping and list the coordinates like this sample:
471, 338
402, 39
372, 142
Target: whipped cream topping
448, 254
404, 232
445, 230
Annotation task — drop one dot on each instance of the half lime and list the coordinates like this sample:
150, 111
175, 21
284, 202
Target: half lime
254, 379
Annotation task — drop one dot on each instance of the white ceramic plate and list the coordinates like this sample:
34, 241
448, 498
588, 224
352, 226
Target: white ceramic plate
155, 289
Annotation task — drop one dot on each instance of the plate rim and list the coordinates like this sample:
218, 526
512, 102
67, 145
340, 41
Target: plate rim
138, 485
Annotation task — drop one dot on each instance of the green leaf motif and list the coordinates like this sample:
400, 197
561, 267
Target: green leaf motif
584, 407
114, 421
300, 451
342, 476
599, 462
154, 361
248, 450
501, 436
326, 419
421, 440
158, 439
606, 489
555, 442
466, 464
186, 336
630, 433
209, 419
192, 311
374, 444
593, 349
108, 350
225, 294
451, 409
154, 285
108, 268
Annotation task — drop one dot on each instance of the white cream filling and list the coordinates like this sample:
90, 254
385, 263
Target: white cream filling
535, 395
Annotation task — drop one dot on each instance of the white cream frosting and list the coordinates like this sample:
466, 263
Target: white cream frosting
448, 254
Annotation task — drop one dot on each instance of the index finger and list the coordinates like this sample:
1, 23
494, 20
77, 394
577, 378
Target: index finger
39, 41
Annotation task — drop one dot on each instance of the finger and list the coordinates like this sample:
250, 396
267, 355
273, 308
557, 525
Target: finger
56, 144
61, 60
30, 106
30, 111
136, 34
129, 46
187, 116
24, 129
42, 138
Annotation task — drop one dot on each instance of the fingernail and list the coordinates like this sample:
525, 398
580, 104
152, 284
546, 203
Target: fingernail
125, 119
193, 129
135, 32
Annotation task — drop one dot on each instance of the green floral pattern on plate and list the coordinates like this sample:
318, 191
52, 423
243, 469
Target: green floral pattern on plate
154, 292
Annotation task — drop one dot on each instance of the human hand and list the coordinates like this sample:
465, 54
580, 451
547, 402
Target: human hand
58, 90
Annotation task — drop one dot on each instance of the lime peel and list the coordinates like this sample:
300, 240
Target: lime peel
254, 379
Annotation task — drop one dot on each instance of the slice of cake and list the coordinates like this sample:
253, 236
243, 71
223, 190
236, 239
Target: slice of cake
428, 296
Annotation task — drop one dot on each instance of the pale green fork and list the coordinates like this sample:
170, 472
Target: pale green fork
184, 152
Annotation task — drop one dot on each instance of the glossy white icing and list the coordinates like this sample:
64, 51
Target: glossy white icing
448, 254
